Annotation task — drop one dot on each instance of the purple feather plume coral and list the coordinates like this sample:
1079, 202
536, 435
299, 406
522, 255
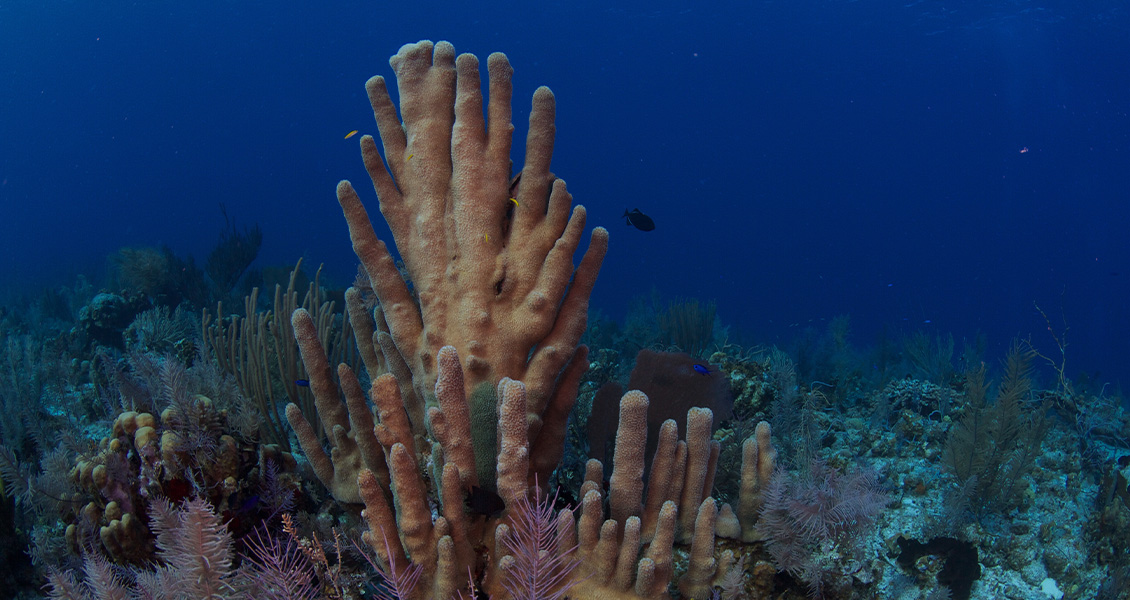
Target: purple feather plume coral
536, 569
803, 512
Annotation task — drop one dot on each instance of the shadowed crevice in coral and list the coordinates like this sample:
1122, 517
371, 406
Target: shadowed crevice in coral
958, 572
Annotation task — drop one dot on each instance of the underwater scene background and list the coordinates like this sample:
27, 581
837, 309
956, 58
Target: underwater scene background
871, 259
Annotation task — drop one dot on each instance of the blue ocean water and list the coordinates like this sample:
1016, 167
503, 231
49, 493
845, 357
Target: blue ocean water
918, 165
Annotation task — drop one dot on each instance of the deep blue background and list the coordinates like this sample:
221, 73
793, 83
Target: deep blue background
802, 159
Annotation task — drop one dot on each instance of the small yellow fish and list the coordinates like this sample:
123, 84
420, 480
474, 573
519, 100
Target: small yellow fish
486, 236
409, 157
351, 134
515, 203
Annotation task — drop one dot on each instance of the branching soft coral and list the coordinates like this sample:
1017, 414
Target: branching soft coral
196, 550
277, 570
536, 568
805, 515
397, 582
195, 547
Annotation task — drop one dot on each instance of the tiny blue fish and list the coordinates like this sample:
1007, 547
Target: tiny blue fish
702, 369
302, 382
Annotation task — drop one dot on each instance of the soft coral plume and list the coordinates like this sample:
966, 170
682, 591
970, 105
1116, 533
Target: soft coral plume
397, 582
100, 583
803, 513
195, 546
535, 570
104, 584
196, 550
277, 570
61, 585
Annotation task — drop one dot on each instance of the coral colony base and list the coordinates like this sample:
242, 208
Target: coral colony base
439, 437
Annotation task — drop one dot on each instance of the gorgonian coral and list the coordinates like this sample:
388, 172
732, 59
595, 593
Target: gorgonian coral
812, 519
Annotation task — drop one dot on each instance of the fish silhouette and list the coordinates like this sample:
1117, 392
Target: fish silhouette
639, 220
481, 501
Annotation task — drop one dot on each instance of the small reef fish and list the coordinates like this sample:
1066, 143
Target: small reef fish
705, 370
351, 134
302, 382
484, 502
639, 220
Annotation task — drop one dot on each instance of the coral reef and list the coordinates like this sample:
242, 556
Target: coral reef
444, 413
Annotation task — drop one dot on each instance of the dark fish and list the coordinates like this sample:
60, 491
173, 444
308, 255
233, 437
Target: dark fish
639, 220
302, 382
702, 369
249, 504
484, 502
